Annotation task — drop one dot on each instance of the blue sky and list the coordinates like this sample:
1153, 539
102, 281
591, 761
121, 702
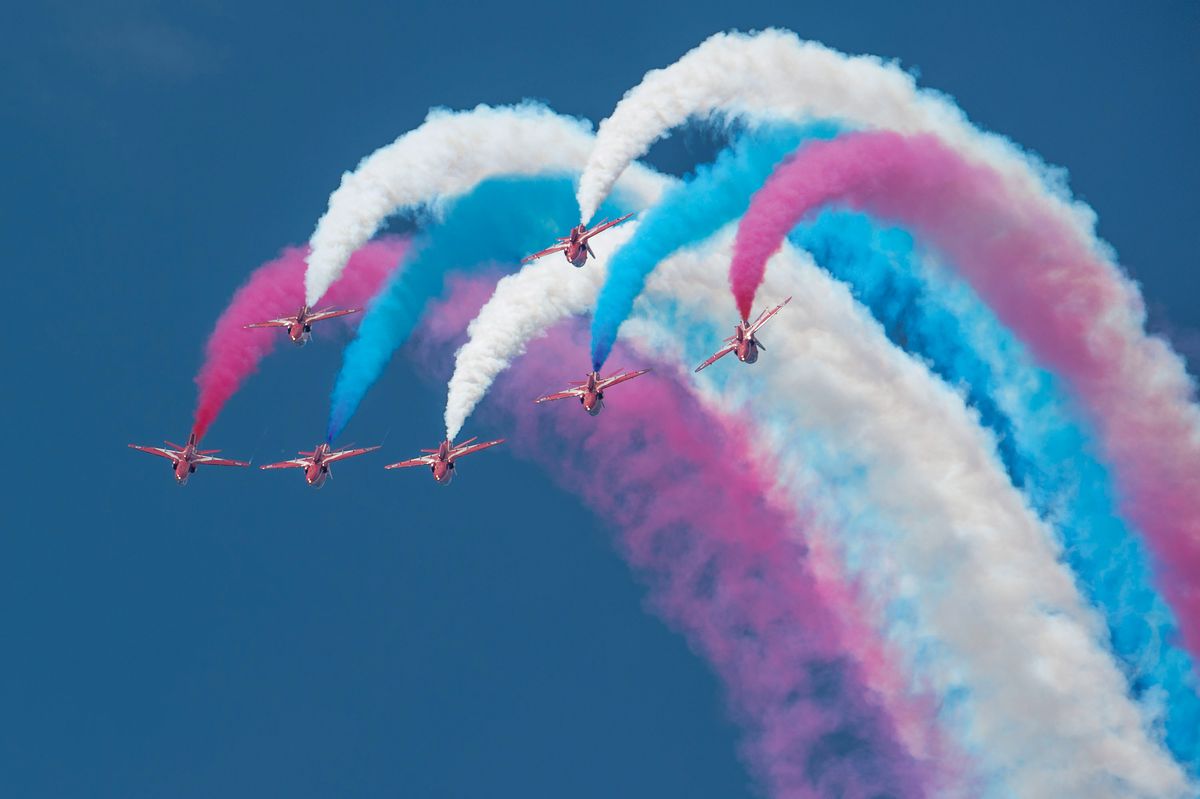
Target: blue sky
247, 636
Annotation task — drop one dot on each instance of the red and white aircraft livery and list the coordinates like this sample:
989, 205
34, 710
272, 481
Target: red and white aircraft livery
744, 340
299, 326
441, 460
316, 463
590, 392
575, 247
185, 459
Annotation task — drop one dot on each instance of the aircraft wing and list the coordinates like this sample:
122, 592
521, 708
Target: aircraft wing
718, 355
762, 320
620, 378
424, 460
208, 460
284, 322
603, 226
570, 392
159, 451
294, 463
331, 313
348, 453
545, 252
467, 449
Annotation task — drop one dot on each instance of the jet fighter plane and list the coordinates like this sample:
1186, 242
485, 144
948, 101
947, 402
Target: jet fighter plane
441, 460
299, 325
575, 247
590, 392
744, 340
316, 463
185, 459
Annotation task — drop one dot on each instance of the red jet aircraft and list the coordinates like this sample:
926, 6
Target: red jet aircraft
316, 463
590, 392
744, 340
299, 326
185, 459
575, 247
441, 460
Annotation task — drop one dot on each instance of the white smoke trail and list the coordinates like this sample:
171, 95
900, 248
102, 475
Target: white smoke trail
995, 618
776, 75
523, 306
527, 304
973, 580
991, 615
446, 156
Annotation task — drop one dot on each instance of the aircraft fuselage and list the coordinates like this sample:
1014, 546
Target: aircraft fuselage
576, 252
443, 472
184, 467
301, 331
747, 345
592, 398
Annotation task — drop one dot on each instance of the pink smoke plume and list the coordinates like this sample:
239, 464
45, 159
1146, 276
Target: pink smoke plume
276, 289
1052, 286
815, 689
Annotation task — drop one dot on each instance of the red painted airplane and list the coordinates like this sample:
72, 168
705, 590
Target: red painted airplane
299, 326
590, 392
316, 463
575, 247
744, 340
441, 460
185, 459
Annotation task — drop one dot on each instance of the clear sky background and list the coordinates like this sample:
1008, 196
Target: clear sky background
249, 637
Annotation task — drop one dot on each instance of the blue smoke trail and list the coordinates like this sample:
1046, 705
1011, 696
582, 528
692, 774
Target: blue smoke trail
716, 195
500, 221
1046, 449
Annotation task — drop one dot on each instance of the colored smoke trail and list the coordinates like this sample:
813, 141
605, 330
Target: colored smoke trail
723, 567
500, 221
523, 306
966, 578
1056, 291
1044, 448
688, 213
1018, 721
773, 75
276, 289
443, 158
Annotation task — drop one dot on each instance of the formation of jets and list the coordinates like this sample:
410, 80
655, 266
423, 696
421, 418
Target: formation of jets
441, 461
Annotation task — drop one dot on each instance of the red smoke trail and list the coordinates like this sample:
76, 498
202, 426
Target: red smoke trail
276, 289
726, 566
1052, 287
